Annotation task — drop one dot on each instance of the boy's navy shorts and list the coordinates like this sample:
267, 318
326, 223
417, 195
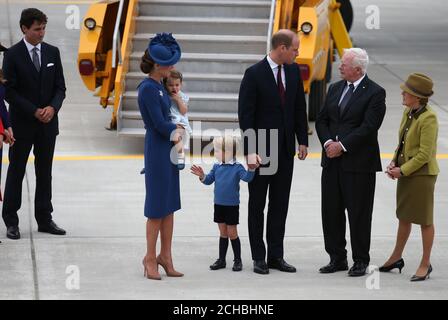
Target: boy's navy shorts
227, 214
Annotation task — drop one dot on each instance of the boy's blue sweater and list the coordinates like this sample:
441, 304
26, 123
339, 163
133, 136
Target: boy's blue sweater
226, 177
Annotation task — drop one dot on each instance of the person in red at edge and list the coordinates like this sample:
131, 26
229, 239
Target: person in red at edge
5, 135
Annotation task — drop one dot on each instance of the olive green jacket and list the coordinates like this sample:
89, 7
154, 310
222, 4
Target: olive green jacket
420, 143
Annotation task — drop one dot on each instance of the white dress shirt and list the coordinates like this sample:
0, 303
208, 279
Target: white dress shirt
30, 48
355, 84
274, 67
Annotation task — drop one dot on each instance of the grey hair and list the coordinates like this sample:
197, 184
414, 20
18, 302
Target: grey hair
360, 58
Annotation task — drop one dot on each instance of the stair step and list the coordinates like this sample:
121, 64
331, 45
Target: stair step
199, 25
199, 102
192, 116
207, 62
195, 76
208, 44
213, 57
201, 8
205, 125
131, 115
208, 130
205, 82
131, 132
195, 95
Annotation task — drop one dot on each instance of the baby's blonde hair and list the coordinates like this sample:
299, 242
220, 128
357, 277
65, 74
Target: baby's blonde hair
226, 143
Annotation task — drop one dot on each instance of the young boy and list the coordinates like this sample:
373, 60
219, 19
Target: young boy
178, 110
226, 175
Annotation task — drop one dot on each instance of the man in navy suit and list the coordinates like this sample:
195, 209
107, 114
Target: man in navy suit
272, 106
35, 89
347, 127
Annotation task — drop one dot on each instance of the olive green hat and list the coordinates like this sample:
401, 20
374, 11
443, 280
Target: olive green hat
418, 85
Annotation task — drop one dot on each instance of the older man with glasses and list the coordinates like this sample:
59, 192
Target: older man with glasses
347, 127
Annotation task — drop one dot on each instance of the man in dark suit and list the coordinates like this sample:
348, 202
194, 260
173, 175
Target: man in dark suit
347, 127
35, 90
272, 109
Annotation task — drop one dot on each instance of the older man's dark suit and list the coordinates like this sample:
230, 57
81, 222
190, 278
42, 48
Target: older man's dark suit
260, 107
348, 182
26, 90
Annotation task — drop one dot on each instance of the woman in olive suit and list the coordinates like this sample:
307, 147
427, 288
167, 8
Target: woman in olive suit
415, 166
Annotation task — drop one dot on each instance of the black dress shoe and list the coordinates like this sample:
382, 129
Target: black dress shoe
399, 264
237, 265
219, 264
281, 265
260, 267
51, 228
422, 278
13, 233
359, 269
334, 266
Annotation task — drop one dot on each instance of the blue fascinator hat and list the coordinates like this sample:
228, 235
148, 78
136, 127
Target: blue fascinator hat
164, 49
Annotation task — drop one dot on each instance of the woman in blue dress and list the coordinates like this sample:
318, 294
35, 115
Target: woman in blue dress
161, 174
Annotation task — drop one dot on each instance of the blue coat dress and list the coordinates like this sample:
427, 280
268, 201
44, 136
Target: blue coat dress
161, 175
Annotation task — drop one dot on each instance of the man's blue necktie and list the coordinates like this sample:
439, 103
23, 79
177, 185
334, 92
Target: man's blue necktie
346, 98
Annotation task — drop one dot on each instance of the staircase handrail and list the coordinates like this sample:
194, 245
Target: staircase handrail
271, 25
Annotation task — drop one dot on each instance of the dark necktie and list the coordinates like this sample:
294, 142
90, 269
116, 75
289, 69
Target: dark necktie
346, 98
36, 60
281, 88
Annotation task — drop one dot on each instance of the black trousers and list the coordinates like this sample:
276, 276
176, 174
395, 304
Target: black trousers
18, 157
279, 186
355, 192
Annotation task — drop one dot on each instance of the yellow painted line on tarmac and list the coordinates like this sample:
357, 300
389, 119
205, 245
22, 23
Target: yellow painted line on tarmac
87, 158
314, 155
440, 156
387, 156
97, 158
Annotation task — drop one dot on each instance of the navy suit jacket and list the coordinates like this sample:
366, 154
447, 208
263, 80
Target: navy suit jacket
356, 128
259, 106
27, 90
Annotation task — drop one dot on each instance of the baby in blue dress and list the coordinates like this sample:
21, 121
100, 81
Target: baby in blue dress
226, 174
178, 113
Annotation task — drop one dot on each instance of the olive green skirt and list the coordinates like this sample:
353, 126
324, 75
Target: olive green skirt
415, 199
